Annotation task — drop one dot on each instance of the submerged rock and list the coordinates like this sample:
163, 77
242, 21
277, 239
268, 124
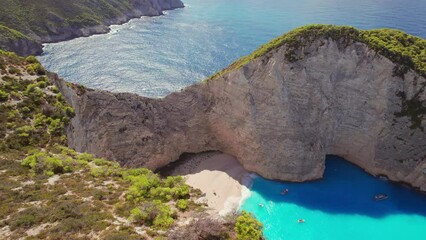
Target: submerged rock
279, 112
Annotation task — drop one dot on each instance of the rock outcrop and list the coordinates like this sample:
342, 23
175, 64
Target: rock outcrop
22, 47
278, 115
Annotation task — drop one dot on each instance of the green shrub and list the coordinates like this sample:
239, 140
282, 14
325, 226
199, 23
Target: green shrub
99, 194
26, 111
39, 120
42, 84
128, 173
36, 68
67, 209
138, 216
39, 69
49, 164
154, 214
85, 157
43, 163
247, 227
98, 172
162, 193
141, 186
10, 125
104, 162
179, 188
25, 219
30, 88
54, 89
55, 127
103, 167
147, 185
31, 59
69, 112
70, 225
15, 95
30, 70
60, 98
182, 204
173, 181
163, 221
14, 70
34, 93
3, 96
65, 150
25, 131
181, 192
2, 64
13, 113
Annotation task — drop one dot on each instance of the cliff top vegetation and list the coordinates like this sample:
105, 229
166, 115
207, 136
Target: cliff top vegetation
406, 50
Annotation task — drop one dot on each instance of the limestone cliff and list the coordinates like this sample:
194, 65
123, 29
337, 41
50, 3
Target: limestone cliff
279, 114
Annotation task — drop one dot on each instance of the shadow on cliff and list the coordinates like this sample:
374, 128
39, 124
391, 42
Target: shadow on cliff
192, 163
345, 189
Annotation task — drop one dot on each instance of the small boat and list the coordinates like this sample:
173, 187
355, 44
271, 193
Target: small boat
380, 197
301, 220
261, 205
284, 192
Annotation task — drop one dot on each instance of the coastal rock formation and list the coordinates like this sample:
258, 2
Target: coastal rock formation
279, 114
139, 8
33, 23
22, 46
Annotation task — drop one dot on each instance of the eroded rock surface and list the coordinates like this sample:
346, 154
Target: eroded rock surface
279, 118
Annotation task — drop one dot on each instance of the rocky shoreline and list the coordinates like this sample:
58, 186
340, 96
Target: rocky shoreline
34, 45
71, 33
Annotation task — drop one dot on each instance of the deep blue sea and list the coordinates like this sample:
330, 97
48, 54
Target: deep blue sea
155, 56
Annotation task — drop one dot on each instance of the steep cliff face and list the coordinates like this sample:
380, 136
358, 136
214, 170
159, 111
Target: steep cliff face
23, 45
48, 21
279, 115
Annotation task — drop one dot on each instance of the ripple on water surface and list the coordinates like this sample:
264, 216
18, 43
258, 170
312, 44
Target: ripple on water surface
340, 206
155, 56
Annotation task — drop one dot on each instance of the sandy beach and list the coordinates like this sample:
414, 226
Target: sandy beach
220, 176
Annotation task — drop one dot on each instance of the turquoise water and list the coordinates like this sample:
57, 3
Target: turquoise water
340, 206
155, 56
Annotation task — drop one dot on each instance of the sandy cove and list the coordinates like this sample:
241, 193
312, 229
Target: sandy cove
219, 176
